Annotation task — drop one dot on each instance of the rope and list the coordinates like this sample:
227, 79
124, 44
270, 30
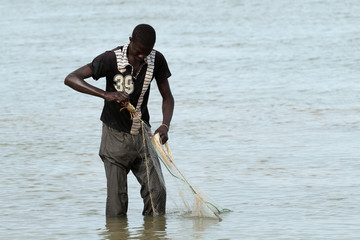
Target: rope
133, 114
147, 169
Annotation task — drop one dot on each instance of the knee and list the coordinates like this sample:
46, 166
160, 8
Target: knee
159, 193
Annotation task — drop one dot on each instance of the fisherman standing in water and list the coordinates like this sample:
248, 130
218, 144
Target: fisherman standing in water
129, 70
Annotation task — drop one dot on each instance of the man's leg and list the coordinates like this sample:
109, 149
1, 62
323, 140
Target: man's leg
117, 197
115, 154
156, 197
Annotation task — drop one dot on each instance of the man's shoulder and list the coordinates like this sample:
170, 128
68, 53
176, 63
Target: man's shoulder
159, 57
158, 53
116, 49
109, 55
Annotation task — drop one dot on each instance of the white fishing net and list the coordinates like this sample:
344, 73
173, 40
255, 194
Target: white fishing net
188, 199
192, 199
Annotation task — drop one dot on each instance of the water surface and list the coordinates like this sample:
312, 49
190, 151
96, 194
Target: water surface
266, 119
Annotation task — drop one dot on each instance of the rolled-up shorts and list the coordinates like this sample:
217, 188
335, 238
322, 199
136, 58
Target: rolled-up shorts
123, 152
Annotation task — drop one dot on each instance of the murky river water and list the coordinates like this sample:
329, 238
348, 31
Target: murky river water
266, 119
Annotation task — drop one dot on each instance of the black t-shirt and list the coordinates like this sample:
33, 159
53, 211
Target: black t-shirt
105, 65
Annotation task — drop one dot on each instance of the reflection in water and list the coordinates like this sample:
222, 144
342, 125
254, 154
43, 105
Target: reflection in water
117, 228
160, 227
197, 228
152, 228
203, 224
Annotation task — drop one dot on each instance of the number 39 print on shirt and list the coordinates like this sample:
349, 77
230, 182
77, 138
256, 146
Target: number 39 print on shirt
124, 84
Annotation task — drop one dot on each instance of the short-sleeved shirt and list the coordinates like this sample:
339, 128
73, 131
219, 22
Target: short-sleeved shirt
119, 75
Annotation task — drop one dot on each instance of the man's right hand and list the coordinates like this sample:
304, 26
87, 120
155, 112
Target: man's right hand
116, 96
76, 81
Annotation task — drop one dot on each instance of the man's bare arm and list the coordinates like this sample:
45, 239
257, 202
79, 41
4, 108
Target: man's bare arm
76, 80
167, 109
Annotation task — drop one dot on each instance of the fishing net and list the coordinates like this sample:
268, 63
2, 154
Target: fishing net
187, 198
196, 202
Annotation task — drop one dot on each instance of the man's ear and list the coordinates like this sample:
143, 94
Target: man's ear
130, 38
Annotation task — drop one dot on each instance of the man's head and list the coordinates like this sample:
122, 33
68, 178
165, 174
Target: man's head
144, 34
142, 41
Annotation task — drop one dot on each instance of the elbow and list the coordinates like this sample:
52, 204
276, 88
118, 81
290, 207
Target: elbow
170, 101
169, 98
69, 80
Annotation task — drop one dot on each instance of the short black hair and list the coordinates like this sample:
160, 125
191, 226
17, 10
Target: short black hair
144, 34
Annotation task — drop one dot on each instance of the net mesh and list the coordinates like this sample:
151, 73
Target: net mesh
188, 199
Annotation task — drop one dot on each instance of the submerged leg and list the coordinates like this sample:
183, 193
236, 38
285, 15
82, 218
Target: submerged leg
117, 196
155, 197
116, 153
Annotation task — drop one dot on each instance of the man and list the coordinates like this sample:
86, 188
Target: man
128, 70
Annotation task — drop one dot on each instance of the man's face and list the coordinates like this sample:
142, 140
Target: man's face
139, 51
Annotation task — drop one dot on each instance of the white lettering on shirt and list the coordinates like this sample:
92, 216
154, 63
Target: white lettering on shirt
124, 84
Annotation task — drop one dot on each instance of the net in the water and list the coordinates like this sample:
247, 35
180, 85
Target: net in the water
190, 199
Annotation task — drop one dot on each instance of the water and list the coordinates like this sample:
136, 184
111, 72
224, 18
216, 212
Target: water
266, 119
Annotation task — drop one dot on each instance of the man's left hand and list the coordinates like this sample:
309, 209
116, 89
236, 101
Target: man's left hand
163, 132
